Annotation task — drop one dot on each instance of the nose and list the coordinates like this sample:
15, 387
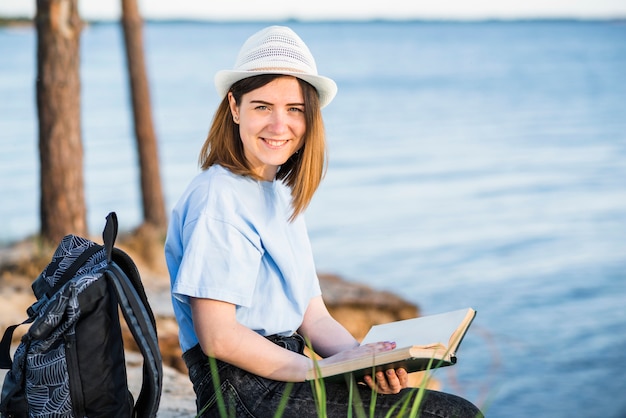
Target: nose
279, 122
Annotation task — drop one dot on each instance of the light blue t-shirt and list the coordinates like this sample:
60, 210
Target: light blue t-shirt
230, 239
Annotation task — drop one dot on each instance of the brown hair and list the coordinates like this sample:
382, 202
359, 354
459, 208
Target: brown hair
302, 172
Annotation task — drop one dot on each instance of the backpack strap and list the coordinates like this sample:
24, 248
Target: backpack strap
11, 388
5, 344
131, 297
109, 234
139, 322
73, 269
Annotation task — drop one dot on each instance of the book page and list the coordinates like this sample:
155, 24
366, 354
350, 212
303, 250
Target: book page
424, 330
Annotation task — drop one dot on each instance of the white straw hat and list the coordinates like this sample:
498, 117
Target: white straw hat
276, 50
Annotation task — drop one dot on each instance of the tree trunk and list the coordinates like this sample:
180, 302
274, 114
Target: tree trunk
62, 204
151, 190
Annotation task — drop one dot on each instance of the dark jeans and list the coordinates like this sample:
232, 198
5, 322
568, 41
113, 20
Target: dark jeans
247, 395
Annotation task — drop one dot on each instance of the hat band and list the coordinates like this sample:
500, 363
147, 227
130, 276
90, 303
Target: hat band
270, 69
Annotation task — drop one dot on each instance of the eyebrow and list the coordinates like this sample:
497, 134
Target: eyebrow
268, 103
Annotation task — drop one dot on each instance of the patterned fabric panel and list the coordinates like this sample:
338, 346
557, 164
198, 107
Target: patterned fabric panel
70, 248
47, 377
47, 384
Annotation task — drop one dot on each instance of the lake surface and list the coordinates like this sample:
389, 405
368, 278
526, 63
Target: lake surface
471, 164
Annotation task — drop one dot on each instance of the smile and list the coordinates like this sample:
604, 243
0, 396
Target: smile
275, 142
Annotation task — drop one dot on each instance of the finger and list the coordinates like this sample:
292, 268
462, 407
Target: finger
403, 377
380, 346
382, 383
393, 382
370, 382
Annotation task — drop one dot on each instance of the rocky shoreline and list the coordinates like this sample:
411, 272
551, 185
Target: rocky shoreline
356, 306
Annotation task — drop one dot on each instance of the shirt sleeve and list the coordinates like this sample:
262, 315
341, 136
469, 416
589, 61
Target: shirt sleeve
219, 262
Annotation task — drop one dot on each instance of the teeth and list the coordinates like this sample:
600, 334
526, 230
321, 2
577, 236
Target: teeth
274, 142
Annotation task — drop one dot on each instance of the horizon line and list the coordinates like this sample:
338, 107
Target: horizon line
340, 20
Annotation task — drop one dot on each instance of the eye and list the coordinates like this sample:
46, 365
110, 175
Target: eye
261, 107
296, 109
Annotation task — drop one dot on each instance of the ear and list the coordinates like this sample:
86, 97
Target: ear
234, 109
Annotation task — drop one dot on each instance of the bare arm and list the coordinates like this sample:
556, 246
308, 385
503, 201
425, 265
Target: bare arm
327, 336
222, 337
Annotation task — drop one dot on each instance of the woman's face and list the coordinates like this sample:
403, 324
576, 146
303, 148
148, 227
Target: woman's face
271, 124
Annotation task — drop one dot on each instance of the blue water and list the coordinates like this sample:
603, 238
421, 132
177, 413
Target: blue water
471, 164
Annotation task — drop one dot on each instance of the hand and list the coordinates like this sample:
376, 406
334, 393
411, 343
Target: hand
389, 382
366, 350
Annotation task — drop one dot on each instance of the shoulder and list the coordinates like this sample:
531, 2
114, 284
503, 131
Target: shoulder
216, 184
216, 192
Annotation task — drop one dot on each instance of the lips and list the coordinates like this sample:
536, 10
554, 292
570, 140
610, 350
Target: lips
275, 143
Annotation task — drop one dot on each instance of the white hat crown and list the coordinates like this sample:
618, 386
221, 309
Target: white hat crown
276, 50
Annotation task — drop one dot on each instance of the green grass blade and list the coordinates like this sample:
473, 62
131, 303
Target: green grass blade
283, 400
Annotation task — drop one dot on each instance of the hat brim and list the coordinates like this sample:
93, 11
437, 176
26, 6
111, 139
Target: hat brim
326, 88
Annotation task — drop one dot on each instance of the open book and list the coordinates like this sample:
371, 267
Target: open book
422, 343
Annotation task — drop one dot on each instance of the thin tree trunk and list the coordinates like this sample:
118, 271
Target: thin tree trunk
151, 190
62, 200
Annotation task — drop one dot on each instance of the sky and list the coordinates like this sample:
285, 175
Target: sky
338, 9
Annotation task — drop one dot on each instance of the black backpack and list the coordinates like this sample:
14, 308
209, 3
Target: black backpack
71, 361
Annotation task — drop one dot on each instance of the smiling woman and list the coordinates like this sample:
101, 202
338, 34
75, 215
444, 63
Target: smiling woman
244, 284
271, 124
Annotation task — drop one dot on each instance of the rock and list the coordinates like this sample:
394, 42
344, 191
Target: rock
357, 307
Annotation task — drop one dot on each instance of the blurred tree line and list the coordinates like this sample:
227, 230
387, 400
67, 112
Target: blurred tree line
62, 205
